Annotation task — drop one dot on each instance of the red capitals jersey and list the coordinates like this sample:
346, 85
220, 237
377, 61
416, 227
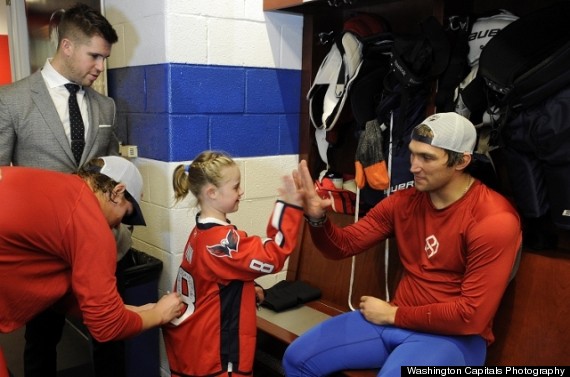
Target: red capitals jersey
217, 331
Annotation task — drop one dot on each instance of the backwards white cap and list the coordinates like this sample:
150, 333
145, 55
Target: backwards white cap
123, 171
450, 131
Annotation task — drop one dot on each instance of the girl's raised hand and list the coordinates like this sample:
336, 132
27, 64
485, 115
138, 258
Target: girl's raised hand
288, 192
315, 206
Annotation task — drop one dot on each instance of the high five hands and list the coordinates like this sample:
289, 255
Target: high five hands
314, 205
373, 309
300, 190
289, 193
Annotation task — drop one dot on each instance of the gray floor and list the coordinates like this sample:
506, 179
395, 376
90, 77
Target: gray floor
73, 357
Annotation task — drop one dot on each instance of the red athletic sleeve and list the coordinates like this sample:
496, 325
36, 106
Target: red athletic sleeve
93, 258
338, 243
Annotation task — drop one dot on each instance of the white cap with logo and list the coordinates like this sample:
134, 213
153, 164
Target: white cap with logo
123, 171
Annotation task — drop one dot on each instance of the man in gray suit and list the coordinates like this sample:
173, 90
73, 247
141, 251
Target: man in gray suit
34, 120
36, 130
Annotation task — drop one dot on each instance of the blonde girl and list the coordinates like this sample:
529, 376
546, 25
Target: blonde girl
216, 334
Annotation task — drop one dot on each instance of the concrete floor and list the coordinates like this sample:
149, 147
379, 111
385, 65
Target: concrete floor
73, 356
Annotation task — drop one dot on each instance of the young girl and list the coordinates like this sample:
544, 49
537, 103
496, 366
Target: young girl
216, 333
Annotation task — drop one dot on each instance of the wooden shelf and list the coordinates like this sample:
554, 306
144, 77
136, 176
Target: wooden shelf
317, 6
280, 4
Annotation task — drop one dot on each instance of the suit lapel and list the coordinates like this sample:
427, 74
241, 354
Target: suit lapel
44, 104
91, 137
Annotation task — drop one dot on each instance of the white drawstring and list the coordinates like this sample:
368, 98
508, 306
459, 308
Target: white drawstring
387, 242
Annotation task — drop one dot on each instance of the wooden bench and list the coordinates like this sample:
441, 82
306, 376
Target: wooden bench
278, 330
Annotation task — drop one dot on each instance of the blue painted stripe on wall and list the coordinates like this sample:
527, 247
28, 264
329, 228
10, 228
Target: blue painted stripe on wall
128, 87
207, 89
246, 135
289, 134
174, 111
265, 88
157, 83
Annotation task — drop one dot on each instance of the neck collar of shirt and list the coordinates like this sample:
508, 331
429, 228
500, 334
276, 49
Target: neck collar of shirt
210, 220
52, 77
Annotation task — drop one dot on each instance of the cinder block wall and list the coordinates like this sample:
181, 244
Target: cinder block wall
194, 75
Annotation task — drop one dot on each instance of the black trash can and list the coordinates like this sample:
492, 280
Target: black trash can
138, 283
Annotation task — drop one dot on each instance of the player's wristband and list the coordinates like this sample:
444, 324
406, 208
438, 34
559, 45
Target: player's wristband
316, 222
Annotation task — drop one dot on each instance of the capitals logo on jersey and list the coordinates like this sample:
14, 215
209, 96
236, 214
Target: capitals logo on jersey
227, 246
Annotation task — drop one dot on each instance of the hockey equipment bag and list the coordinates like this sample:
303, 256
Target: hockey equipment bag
536, 148
339, 69
480, 29
332, 82
528, 60
485, 27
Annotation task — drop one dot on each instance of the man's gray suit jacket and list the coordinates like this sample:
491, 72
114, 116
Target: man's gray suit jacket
31, 132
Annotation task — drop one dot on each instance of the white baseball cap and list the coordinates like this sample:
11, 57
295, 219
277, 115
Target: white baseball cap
123, 171
451, 131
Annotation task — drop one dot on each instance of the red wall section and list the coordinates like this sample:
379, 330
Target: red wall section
5, 71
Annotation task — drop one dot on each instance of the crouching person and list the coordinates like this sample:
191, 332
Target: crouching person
57, 248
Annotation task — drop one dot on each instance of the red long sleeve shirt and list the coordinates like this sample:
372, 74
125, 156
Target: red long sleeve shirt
215, 279
55, 241
457, 261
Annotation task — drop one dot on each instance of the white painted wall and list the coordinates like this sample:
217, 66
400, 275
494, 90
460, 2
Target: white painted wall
220, 32
3, 19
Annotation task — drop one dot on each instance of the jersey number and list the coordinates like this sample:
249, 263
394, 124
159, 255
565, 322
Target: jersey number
185, 286
261, 267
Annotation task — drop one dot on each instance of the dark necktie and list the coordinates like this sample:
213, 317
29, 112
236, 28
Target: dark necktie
76, 123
